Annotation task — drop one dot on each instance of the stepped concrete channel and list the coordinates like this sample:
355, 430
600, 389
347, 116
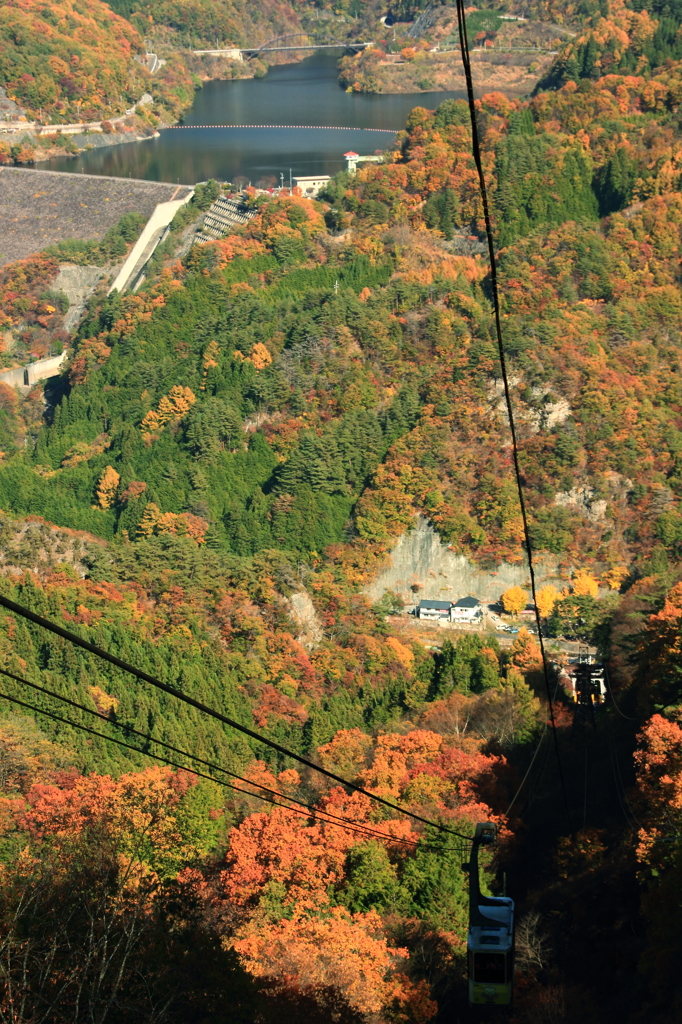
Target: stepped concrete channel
224, 215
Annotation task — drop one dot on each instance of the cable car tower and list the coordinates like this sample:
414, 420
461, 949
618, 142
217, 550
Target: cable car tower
490, 942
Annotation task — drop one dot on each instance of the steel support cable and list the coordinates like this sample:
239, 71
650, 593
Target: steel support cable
315, 815
99, 652
628, 812
536, 783
532, 760
610, 689
585, 797
342, 822
464, 44
629, 817
622, 784
528, 771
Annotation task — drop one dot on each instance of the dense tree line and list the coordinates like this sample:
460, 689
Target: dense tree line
249, 434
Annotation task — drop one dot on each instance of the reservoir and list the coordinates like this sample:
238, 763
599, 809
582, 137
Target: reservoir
307, 93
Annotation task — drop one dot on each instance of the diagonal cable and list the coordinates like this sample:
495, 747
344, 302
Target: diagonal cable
464, 44
193, 771
39, 620
311, 809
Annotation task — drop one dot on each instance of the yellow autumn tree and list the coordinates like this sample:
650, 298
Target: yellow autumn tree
150, 424
260, 356
104, 702
211, 355
172, 406
584, 584
615, 577
399, 651
545, 599
107, 487
180, 524
514, 600
176, 403
149, 521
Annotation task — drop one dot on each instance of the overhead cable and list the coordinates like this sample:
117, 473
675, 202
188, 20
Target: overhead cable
464, 44
613, 699
344, 822
100, 652
315, 815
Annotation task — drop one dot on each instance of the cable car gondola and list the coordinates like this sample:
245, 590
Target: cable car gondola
490, 941
589, 684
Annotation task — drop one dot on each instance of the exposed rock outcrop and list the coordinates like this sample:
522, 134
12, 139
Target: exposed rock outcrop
78, 284
302, 611
423, 567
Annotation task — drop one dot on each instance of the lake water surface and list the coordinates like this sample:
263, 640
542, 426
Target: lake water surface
307, 93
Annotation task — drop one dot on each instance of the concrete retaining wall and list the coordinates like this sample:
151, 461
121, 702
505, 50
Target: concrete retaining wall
25, 376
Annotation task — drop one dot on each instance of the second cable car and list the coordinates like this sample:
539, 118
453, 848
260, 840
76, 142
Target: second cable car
490, 941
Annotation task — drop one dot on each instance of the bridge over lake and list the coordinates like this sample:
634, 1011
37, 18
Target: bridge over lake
290, 41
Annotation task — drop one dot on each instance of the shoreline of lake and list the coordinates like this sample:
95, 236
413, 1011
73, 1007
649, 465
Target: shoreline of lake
292, 95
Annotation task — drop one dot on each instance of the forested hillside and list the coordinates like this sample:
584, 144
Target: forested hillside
72, 61
228, 459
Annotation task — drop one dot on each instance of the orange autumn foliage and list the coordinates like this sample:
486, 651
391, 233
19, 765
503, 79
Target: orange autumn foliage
136, 807
343, 950
180, 524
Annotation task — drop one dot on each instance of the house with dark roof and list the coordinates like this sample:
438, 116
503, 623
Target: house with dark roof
434, 609
467, 609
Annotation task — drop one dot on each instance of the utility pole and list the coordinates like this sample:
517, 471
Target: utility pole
291, 184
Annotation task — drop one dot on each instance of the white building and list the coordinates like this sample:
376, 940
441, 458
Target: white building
353, 159
467, 609
434, 609
311, 184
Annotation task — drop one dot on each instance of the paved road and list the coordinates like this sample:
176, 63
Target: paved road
442, 630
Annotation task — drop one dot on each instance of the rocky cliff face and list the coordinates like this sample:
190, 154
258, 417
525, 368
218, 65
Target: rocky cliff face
423, 567
78, 284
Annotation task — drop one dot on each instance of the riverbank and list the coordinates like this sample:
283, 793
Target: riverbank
31, 147
508, 54
24, 142
442, 72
